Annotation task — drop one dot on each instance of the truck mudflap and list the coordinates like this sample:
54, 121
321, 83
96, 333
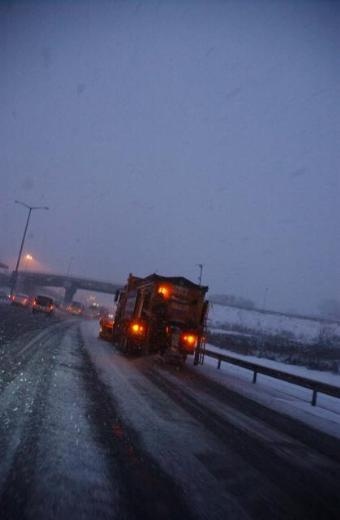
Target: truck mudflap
175, 354
174, 357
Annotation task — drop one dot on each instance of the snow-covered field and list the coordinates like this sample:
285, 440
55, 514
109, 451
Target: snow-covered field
304, 330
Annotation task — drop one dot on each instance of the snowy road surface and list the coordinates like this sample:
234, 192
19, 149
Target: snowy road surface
87, 433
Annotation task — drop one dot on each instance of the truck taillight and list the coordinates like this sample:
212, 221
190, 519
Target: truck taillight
189, 340
137, 328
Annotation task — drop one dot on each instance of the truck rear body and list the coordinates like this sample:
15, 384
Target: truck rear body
160, 314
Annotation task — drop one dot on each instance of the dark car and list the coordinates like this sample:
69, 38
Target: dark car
76, 308
43, 304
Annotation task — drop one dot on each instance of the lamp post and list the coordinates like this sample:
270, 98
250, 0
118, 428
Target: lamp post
30, 209
201, 272
198, 347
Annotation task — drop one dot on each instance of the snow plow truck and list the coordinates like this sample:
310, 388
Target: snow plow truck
161, 314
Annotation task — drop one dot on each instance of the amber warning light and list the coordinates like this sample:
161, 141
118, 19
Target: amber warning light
164, 291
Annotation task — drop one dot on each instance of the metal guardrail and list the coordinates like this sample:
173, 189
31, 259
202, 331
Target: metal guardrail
315, 386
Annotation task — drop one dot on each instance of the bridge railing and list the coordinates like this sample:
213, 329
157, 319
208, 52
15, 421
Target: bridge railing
312, 384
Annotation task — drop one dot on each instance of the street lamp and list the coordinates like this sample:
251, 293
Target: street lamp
27, 259
30, 209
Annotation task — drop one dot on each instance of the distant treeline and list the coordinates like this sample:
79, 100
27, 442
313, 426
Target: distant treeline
324, 354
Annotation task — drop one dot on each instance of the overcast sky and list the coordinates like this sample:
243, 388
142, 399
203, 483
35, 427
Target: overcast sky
167, 134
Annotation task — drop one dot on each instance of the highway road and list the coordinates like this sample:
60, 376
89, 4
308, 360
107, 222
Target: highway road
87, 433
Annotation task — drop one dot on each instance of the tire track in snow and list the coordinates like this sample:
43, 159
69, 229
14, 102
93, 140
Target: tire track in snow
146, 492
317, 440
23, 350
23, 404
296, 484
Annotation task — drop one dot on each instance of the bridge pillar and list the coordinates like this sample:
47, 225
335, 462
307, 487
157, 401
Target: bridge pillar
70, 291
27, 286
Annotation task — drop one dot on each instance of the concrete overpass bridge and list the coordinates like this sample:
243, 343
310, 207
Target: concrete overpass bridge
28, 280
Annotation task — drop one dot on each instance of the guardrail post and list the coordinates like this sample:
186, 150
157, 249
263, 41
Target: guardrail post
219, 363
254, 376
197, 356
315, 393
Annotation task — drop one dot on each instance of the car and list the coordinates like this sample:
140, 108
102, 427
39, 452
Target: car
93, 311
106, 326
43, 304
75, 308
22, 300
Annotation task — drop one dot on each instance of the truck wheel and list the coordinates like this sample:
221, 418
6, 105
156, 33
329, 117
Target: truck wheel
184, 358
124, 345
